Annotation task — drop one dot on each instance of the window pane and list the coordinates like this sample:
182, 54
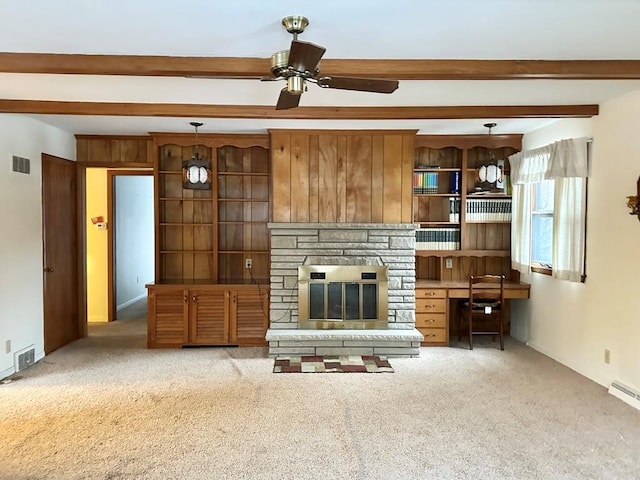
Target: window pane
543, 201
542, 234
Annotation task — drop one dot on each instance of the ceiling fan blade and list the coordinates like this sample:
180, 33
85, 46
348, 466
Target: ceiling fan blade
305, 56
287, 100
378, 85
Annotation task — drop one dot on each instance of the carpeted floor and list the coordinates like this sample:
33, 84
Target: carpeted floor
106, 408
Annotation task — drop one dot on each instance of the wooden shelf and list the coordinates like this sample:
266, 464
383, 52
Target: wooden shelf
463, 253
475, 222
242, 223
435, 224
243, 174
263, 200
252, 252
436, 194
437, 169
488, 195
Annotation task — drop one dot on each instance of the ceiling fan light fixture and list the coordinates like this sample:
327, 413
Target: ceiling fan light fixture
295, 85
300, 63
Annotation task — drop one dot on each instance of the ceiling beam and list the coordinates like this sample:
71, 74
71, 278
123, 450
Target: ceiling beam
311, 113
237, 67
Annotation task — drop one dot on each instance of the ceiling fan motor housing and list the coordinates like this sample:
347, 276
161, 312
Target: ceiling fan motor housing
279, 63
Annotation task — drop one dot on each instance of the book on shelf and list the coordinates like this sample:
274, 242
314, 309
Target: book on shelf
454, 209
425, 182
488, 210
438, 238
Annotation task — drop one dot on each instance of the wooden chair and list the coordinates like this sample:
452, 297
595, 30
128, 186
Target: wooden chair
486, 302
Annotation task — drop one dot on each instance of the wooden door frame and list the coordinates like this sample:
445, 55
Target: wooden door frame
111, 174
81, 323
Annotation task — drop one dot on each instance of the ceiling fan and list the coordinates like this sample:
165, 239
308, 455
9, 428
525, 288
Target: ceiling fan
299, 64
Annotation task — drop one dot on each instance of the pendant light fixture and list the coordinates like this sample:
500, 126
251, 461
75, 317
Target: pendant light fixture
196, 173
491, 174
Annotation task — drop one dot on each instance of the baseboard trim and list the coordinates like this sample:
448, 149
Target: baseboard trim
7, 373
131, 302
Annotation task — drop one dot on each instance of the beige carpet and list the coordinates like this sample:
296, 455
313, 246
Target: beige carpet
106, 408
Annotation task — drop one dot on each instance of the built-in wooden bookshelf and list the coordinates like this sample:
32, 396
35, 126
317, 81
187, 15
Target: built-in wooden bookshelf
471, 217
205, 292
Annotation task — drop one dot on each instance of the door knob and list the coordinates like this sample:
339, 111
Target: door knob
48, 269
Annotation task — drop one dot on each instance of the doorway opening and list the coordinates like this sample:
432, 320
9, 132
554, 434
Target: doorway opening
120, 243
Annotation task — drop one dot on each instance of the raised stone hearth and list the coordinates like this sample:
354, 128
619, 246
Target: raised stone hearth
390, 245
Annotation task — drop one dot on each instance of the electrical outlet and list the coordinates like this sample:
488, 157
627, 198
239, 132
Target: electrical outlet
448, 262
7, 346
607, 356
248, 263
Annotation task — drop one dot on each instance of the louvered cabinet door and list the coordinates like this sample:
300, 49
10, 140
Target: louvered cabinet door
209, 311
249, 316
167, 317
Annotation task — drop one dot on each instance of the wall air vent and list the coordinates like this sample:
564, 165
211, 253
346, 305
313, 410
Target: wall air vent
21, 165
25, 358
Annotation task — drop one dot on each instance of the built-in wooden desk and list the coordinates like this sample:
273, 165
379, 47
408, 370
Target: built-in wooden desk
434, 314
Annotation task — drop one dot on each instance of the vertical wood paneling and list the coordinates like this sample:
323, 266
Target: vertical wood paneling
392, 192
327, 169
377, 178
281, 166
82, 146
358, 172
314, 185
341, 180
299, 177
342, 177
407, 177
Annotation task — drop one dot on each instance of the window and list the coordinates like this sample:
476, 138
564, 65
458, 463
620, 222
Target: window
542, 225
548, 223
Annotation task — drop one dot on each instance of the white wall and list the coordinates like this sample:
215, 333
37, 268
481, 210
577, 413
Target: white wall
575, 323
21, 304
134, 244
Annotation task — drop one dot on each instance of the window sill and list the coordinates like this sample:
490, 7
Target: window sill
542, 269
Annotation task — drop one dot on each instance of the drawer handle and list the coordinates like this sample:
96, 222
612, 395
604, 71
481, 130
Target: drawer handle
430, 306
430, 335
431, 294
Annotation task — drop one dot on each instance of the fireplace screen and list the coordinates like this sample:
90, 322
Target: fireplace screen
345, 297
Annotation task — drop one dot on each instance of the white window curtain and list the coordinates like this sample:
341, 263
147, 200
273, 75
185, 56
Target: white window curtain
566, 163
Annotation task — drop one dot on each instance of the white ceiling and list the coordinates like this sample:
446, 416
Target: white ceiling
427, 29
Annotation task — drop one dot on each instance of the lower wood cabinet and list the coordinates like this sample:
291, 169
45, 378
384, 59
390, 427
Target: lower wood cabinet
431, 316
180, 315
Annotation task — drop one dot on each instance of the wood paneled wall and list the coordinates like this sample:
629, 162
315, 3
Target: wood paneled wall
104, 150
342, 176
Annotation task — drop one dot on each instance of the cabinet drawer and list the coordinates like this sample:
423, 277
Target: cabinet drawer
431, 320
431, 305
431, 293
434, 335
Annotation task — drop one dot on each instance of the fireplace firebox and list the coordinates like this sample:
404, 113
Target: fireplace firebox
342, 297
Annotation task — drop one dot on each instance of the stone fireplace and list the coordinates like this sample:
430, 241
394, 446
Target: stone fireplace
386, 251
